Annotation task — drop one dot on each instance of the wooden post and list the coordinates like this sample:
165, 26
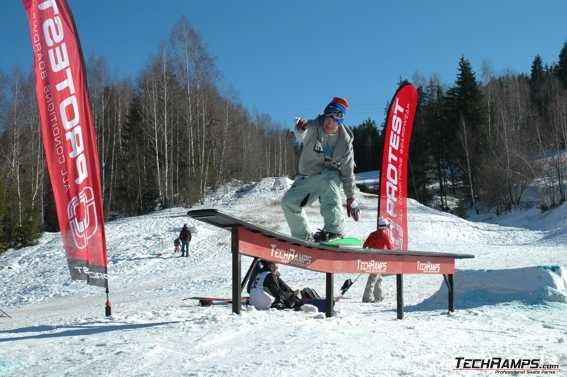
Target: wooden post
330, 294
400, 295
236, 292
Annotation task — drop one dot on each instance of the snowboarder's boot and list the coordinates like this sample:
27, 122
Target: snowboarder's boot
323, 236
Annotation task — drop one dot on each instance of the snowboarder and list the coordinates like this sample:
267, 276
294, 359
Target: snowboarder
185, 238
268, 290
380, 240
326, 163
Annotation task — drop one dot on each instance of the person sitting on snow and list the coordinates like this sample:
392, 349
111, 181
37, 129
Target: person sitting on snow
268, 290
380, 240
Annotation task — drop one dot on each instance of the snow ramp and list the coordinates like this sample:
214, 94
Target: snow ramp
534, 285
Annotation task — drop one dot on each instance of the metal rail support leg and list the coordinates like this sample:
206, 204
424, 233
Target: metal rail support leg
450, 291
330, 295
236, 292
400, 295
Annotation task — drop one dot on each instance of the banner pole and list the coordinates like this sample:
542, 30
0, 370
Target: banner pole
108, 307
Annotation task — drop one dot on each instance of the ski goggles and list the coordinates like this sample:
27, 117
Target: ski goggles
336, 115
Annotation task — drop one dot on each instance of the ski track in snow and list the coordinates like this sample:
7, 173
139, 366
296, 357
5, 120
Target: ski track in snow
58, 326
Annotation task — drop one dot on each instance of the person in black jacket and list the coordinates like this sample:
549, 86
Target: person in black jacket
185, 238
267, 289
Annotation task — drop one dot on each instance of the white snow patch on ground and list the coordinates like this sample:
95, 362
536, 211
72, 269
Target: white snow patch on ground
57, 327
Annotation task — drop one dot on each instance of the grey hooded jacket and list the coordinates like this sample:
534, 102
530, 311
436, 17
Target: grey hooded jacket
312, 159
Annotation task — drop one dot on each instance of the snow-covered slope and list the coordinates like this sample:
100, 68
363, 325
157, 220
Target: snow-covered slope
58, 326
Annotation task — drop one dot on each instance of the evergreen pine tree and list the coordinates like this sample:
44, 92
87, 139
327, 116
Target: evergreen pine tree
537, 84
466, 96
433, 113
537, 71
50, 223
466, 116
127, 185
420, 155
562, 66
4, 241
367, 146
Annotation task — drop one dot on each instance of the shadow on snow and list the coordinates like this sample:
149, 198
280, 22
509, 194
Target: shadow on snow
68, 331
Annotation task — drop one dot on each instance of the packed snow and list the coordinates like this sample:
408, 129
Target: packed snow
510, 301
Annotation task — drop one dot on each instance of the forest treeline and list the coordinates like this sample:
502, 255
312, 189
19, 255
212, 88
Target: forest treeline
479, 143
169, 135
163, 139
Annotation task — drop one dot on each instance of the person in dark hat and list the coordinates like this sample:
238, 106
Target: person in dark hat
185, 238
326, 165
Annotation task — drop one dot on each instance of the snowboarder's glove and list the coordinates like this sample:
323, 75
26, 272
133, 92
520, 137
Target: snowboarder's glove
352, 208
300, 124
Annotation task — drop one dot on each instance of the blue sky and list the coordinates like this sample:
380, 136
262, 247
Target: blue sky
289, 58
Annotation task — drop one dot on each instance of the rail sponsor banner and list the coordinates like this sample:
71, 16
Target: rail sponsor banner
68, 135
395, 161
255, 244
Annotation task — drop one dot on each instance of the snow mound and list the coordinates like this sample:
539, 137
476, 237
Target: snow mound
529, 285
444, 228
267, 188
532, 218
152, 321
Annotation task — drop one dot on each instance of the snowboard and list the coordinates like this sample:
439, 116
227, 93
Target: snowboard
208, 301
320, 304
311, 305
343, 242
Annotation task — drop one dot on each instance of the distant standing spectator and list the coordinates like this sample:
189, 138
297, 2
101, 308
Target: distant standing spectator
185, 238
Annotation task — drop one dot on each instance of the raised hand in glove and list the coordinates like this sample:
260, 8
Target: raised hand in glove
352, 208
300, 124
